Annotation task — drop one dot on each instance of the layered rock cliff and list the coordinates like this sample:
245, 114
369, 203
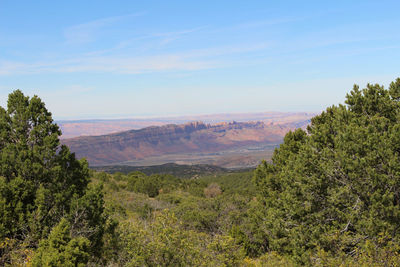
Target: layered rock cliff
193, 137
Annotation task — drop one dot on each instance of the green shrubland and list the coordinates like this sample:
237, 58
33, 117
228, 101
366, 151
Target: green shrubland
330, 196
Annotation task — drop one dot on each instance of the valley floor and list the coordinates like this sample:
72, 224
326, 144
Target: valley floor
232, 159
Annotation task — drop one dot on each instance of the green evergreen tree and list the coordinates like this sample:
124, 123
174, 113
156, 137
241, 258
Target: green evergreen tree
41, 181
337, 185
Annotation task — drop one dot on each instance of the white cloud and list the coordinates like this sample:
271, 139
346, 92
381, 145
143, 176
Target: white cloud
10, 67
161, 39
88, 32
185, 61
168, 37
107, 65
135, 65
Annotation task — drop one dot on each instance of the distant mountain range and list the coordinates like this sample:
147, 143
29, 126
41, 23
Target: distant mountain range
101, 127
193, 138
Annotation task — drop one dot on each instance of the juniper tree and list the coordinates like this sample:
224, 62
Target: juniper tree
41, 181
336, 185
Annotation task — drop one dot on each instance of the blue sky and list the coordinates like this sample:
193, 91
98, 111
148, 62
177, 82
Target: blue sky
110, 59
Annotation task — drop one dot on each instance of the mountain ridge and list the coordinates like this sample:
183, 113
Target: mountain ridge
95, 127
192, 137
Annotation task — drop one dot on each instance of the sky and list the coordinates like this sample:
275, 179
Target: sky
120, 59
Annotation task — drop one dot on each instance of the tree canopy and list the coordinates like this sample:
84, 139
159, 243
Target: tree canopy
336, 186
41, 181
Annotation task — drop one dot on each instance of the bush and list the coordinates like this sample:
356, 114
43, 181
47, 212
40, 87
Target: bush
165, 243
60, 249
212, 190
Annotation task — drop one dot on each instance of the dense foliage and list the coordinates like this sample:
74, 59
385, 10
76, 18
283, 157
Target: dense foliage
336, 187
42, 184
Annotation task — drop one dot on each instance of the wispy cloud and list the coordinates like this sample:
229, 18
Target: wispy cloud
10, 67
185, 61
153, 40
75, 89
259, 24
88, 32
268, 22
136, 65
168, 37
226, 50
109, 64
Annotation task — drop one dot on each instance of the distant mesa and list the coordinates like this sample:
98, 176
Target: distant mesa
101, 127
191, 138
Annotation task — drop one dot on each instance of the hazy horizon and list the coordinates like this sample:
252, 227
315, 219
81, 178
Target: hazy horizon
177, 116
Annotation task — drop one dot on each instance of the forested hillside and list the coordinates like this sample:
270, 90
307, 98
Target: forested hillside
329, 197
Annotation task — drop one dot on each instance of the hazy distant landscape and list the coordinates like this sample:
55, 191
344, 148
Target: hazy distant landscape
75, 128
225, 144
